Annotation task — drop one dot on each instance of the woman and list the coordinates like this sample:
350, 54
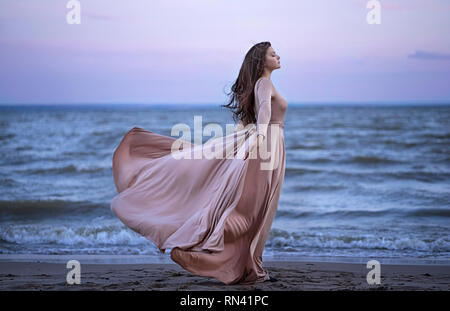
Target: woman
216, 213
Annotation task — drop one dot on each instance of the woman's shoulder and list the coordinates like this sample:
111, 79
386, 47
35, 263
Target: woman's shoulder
264, 82
264, 79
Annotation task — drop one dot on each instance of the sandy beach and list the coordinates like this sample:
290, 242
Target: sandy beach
292, 276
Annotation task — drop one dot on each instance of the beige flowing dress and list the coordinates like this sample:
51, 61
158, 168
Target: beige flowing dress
215, 212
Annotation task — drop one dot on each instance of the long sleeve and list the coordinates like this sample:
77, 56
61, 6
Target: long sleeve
264, 92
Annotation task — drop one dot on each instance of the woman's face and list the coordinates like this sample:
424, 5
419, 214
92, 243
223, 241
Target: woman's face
272, 60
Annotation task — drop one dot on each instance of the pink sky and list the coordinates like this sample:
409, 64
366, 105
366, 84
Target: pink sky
191, 50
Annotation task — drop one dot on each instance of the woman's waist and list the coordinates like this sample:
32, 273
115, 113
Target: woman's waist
279, 123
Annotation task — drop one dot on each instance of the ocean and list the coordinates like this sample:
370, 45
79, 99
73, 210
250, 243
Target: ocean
362, 181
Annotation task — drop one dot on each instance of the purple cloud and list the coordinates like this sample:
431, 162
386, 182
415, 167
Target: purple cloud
429, 55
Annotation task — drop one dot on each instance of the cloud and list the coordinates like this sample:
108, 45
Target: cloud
429, 55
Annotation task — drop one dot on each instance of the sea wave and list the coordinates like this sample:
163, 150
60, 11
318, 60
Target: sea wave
284, 240
7, 136
302, 170
111, 236
417, 212
8, 182
317, 187
24, 209
370, 160
410, 174
98, 232
427, 176
307, 147
71, 168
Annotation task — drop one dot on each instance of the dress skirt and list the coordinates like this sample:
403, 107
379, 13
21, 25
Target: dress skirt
213, 204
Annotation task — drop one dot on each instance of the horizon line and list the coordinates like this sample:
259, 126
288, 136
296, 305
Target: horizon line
212, 104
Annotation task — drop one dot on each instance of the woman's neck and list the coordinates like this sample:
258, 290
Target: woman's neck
266, 74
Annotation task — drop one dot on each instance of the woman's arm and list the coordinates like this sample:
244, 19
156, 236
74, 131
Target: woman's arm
264, 91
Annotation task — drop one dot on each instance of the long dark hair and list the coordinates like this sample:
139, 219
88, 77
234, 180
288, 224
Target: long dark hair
242, 97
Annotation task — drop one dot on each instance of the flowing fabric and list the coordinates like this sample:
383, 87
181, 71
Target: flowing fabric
212, 203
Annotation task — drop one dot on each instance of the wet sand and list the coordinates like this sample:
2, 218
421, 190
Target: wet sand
295, 276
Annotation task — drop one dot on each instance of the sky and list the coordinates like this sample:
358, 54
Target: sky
190, 51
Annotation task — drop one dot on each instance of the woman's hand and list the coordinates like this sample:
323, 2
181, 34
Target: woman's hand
260, 139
